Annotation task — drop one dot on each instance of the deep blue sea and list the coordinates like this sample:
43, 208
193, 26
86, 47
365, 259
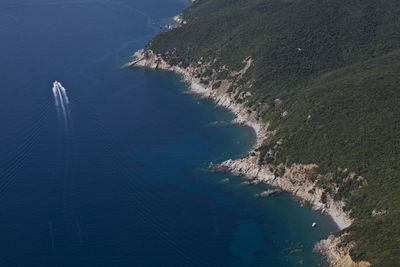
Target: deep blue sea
121, 178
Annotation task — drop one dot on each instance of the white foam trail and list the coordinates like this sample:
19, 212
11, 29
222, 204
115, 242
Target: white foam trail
61, 100
64, 93
55, 93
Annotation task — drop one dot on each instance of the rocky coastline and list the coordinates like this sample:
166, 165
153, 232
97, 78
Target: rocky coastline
337, 255
293, 179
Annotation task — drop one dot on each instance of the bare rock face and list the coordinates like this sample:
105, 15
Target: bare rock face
336, 255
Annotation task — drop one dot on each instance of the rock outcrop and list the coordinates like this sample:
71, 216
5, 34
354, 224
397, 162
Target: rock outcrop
294, 180
337, 255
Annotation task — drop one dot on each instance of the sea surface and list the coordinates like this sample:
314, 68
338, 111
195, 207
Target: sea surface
117, 174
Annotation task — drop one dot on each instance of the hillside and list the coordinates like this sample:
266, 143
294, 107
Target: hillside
326, 76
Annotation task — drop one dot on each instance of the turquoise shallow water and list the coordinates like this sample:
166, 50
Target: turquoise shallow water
122, 179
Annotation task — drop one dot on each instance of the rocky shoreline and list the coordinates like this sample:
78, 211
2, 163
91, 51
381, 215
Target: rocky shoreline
337, 255
292, 178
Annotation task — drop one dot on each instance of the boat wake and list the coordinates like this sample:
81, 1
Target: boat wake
61, 101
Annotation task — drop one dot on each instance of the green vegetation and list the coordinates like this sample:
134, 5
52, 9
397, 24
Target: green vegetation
335, 68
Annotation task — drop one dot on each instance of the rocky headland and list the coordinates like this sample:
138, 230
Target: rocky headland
293, 179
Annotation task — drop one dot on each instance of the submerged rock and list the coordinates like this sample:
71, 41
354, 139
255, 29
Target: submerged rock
295, 251
270, 192
225, 181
